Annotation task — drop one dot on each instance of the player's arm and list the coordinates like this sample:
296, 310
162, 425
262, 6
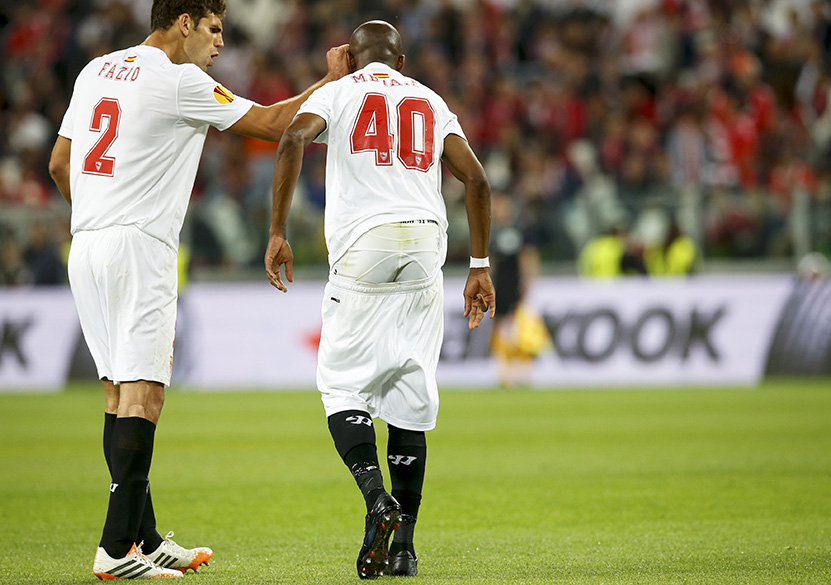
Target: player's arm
269, 122
298, 135
459, 158
59, 166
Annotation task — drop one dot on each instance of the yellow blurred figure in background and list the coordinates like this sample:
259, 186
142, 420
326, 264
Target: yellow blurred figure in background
678, 256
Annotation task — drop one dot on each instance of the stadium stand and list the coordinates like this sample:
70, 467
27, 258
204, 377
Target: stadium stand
590, 114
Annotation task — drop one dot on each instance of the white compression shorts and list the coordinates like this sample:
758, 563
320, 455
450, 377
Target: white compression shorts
394, 252
124, 284
383, 324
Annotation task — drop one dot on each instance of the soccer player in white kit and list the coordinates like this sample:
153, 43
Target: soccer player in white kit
385, 227
125, 159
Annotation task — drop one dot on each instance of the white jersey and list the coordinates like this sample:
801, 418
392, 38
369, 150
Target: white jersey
138, 124
385, 133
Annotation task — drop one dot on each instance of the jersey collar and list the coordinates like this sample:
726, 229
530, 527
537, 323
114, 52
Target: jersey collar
376, 67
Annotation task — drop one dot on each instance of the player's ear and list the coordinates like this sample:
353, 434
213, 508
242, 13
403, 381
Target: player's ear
400, 65
185, 23
351, 62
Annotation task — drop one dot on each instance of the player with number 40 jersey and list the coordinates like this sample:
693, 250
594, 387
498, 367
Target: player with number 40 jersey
383, 307
397, 126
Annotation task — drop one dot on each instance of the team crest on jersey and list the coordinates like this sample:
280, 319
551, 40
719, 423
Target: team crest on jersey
222, 95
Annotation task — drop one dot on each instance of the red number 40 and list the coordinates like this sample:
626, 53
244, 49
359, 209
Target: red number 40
96, 162
416, 128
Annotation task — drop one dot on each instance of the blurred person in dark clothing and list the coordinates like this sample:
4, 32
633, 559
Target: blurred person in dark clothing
42, 258
518, 332
12, 267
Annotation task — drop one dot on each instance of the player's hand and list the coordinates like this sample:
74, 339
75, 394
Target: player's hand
336, 61
277, 254
480, 297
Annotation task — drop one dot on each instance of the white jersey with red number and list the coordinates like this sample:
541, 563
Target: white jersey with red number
137, 124
385, 133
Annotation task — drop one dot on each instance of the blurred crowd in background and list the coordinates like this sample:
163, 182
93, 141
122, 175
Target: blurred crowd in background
643, 121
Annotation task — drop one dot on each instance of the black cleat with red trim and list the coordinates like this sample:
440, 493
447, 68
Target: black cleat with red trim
381, 521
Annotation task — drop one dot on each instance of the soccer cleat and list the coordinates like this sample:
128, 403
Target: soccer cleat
381, 521
133, 566
172, 556
403, 564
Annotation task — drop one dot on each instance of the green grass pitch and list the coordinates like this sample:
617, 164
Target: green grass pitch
575, 487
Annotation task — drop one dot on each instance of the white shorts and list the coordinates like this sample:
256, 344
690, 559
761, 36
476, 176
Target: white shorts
124, 284
394, 252
380, 342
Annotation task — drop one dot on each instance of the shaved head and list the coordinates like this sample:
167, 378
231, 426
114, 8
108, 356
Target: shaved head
376, 41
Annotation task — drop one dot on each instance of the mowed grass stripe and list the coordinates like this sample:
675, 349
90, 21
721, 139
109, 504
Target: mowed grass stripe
586, 486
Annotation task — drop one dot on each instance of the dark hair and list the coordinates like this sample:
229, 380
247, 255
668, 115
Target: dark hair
165, 12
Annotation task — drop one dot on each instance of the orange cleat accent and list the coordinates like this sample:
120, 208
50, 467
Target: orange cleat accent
199, 559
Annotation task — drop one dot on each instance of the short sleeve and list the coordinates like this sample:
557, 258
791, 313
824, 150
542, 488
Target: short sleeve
320, 104
452, 126
448, 123
66, 124
202, 100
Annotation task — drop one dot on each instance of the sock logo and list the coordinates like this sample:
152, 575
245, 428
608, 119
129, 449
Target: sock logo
402, 459
359, 420
113, 487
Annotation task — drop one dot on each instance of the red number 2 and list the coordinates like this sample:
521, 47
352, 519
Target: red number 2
96, 163
416, 129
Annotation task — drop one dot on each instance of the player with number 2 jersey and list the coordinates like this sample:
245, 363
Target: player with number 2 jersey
125, 159
137, 124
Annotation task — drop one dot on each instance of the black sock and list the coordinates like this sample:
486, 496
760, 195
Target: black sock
131, 452
109, 425
350, 429
354, 438
407, 459
147, 531
402, 538
362, 462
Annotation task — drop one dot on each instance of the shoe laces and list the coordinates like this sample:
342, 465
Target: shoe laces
141, 558
173, 547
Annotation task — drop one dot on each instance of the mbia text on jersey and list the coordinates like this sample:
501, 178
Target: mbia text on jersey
383, 78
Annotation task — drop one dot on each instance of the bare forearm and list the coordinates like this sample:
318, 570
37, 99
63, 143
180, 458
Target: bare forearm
282, 113
464, 165
270, 122
59, 166
286, 172
285, 110
478, 204
62, 182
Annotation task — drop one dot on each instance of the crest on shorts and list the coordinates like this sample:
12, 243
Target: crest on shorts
222, 95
